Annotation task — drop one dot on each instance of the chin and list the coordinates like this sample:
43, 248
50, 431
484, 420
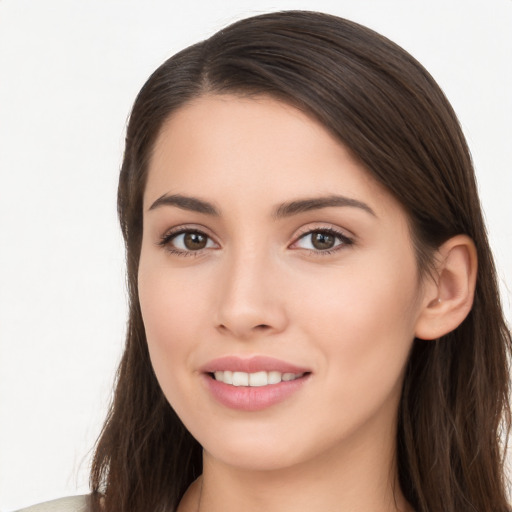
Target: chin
250, 452
253, 458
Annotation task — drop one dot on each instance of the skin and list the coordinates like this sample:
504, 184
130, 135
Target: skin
259, 287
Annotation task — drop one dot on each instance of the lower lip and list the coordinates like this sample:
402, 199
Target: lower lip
247, 398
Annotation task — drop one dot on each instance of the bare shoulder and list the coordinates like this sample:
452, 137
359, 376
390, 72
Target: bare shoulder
70, 504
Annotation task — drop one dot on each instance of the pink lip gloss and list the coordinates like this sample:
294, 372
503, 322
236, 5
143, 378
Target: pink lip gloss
248, 398
256, 397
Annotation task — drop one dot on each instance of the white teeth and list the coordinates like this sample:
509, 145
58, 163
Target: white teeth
274, 377
240, 379
256, 379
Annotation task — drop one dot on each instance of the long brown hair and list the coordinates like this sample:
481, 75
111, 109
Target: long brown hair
383, 105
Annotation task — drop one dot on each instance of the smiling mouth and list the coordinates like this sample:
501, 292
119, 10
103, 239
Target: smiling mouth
256, 379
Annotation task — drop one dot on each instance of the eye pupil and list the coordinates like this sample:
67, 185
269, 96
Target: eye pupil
322, 241
195, 241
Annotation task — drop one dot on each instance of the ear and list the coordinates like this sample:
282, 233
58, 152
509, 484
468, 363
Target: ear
448, 294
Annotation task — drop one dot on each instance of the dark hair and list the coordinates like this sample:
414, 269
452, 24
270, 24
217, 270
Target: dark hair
386, 108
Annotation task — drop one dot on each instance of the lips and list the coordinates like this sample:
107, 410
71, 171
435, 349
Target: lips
254, 383
252, 365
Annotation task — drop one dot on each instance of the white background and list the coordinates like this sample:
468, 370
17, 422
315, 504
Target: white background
69, 71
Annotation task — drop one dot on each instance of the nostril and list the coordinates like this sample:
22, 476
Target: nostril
262, 327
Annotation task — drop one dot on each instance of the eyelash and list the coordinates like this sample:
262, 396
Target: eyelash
168, 237
342, 237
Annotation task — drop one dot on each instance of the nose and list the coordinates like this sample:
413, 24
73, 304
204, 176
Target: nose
250, 299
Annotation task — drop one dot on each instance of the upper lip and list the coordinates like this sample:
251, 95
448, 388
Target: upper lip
251, 365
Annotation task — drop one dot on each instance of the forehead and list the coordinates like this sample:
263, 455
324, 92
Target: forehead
226, 147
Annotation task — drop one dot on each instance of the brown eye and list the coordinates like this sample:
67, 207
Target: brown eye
322, 241
187, 242
194, 241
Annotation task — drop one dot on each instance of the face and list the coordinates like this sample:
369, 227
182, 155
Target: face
278, 285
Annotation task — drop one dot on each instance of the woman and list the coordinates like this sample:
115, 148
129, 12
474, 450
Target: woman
314, 316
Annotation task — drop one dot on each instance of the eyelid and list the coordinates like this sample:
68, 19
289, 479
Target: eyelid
347, 239
166, 238
323, 226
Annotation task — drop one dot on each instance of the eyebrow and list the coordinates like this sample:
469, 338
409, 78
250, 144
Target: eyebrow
284, 210
186, 203
316, 203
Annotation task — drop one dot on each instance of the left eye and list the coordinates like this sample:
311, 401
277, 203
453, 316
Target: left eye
321, 240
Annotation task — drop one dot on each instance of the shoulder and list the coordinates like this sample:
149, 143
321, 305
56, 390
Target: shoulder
70, 504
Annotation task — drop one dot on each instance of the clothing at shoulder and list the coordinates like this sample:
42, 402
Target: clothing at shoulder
71, 504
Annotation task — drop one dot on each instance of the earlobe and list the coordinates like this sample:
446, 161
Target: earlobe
448, 295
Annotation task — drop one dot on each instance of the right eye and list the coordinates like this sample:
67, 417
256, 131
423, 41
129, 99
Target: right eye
187, 241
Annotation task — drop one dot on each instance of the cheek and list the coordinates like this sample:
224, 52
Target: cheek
172, 322
172, 300
364, 324
166, 310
